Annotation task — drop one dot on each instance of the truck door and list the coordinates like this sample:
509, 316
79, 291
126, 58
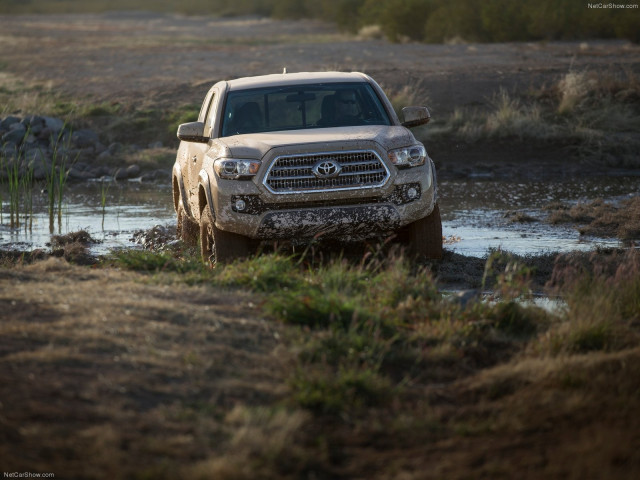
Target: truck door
197, 151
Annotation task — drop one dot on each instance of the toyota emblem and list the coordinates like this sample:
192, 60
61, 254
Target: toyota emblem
326, 169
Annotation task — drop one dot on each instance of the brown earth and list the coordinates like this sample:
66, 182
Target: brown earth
106, 374
145, 59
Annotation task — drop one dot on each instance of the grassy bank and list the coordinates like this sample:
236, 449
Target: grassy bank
595, 114
141, 123
307, 367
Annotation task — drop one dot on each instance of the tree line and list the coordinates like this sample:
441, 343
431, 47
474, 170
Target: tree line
431, 21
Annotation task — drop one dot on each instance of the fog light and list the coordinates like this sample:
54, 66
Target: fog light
412, 193
240, 205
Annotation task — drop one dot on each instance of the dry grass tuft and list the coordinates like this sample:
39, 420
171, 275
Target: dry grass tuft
601, 219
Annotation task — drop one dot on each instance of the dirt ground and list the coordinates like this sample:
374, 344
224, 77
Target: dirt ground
153, 60
170, 60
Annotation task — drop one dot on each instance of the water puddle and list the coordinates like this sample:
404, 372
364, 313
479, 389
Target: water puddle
128, 208
473, 214
477, 215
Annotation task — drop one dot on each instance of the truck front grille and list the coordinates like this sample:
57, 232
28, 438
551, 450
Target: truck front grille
321, 172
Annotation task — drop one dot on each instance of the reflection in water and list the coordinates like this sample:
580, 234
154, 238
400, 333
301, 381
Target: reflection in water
473, 210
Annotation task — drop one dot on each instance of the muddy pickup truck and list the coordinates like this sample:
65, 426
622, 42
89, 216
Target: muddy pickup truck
301, 156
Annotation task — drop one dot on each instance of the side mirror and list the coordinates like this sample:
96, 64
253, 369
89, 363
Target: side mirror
192, 132
415, 116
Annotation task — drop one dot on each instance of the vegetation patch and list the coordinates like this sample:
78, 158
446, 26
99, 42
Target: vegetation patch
353, 367
401, 20
601, 219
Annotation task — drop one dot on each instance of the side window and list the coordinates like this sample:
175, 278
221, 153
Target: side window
211, 117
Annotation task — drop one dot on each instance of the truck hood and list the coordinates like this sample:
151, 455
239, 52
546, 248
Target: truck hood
256, 145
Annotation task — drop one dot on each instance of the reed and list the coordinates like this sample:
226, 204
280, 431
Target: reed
13, 181
105, 185
56, 178
26, 182
2, 160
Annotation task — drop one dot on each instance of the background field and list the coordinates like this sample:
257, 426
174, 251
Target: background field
422, 20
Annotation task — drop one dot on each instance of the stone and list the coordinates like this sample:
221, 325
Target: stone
77, 174
14, 136
115, 148
36, 156
53, 124
133, 171
84, 138
120, 173
104, 156
8, 121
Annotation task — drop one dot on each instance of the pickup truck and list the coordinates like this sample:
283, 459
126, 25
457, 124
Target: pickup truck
300, 156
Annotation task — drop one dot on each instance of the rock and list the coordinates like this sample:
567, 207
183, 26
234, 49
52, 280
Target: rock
104, 156
45, 134
8, 121
115, 148
133, 171
36, 156
77, 174
30, 139
53, 124
8, 151
100, 171
84, 138
15, 135
82, 166
35, 124
120, 174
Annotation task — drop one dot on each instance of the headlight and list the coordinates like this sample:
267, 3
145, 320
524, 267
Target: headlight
235, 169
408, 156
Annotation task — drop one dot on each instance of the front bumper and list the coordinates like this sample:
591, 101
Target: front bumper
408, 196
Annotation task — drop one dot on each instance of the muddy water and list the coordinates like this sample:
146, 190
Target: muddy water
478, 213
128, 207
473, 214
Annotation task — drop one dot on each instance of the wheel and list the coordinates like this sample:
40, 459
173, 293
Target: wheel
187, 228
218, 246
424, 236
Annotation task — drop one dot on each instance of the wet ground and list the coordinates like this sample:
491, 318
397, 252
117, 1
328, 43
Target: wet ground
478, 214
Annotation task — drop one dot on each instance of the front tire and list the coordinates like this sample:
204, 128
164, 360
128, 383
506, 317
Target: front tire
424, 236
187, 228
218, 246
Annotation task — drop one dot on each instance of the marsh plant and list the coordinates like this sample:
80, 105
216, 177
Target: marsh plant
105, 185
56, 177
26, 184
19, 175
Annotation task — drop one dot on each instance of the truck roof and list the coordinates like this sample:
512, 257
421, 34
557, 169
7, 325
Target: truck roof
283, 79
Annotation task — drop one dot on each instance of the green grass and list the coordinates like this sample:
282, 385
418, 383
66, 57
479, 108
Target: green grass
365, 329
378, 374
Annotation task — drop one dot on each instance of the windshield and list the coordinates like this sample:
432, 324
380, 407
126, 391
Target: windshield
300, 107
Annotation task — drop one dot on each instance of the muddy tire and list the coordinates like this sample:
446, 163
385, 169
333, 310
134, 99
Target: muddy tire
424, 237
218, 246
187, 228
